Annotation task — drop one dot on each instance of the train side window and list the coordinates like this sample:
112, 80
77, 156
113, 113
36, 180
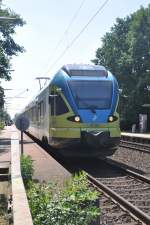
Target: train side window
39, 111
37, 107
58, 106
34, 114
42, 108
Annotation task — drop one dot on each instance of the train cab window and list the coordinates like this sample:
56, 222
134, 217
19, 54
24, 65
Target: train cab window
91, 93
58, 106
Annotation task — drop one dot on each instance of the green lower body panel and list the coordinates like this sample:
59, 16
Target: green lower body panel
96, 138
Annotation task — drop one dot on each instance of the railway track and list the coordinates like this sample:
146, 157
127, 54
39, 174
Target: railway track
125, 199
135, 146
126, 204
125, 194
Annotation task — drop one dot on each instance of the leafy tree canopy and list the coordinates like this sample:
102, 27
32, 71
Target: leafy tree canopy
125, 51
8, 47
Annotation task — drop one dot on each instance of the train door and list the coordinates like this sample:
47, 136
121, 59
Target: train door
54, 102
52, 108
41, 118
57, 109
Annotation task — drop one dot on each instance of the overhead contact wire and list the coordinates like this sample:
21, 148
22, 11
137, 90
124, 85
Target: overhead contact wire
79, 34
67, 29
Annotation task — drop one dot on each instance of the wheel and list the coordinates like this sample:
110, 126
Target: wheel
45, 141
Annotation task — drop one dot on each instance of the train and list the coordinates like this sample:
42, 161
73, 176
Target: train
78, 107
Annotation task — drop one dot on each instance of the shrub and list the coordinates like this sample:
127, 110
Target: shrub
2, 125
73, 205
26, 170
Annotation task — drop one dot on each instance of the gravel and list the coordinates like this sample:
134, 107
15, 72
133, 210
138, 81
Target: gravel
136, 159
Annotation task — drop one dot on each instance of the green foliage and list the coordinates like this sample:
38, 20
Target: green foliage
2, 125
26, 169
8, 47
73, 205
2, 118
126, 52
1, 97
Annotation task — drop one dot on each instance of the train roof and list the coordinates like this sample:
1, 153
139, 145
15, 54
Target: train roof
85, 70
74, 70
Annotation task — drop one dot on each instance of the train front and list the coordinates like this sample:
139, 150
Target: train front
91, 94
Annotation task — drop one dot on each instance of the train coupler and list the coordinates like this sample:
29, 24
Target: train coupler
96, 138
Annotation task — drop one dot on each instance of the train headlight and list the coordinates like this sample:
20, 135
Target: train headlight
77, 119
110, 119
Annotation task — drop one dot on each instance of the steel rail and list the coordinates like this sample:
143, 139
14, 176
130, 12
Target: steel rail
136, 143
134, 147
138, 176
127, 205
128, 171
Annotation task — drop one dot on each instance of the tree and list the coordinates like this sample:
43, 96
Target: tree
126, 52
8, 47
1, 97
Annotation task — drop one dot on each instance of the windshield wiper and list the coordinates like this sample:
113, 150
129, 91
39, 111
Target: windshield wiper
92, 108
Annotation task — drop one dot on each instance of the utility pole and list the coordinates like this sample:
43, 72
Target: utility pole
42, 78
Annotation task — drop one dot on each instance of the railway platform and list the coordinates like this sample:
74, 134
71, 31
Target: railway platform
136, 137
140, 135
45, 167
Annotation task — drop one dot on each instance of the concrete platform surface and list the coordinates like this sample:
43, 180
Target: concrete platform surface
138, 135
45, 167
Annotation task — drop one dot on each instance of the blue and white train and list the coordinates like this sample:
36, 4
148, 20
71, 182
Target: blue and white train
77, 108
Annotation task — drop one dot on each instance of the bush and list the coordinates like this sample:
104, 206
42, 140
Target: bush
73, 205
2, 125
26, 170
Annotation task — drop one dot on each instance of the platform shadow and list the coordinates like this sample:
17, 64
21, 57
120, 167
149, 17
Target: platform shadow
5, 141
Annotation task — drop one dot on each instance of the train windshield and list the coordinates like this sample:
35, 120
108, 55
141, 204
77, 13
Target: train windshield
92, 94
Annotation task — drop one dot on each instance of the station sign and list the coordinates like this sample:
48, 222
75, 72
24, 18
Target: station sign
22, 123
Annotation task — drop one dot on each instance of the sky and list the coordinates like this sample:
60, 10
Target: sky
48, 33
